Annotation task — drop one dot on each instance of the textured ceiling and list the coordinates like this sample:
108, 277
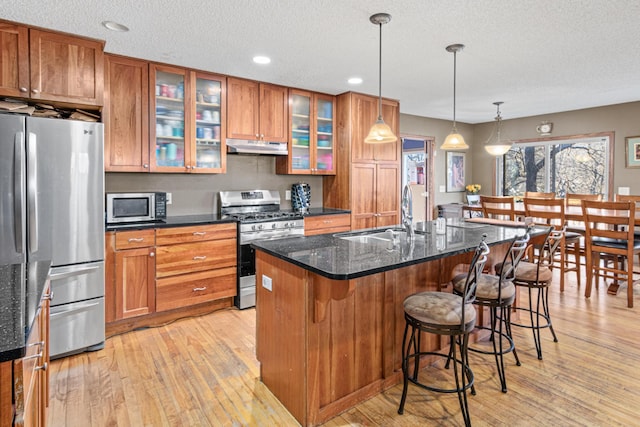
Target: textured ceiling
538, 56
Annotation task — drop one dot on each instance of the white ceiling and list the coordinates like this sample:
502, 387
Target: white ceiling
538, 56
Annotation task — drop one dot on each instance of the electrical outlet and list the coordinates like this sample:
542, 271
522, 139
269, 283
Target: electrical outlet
287, 195
443, 189
623, 191
168, 198
267, 283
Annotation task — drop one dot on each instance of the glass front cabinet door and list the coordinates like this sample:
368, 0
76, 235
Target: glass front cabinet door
186, 132
209, 152
311, 136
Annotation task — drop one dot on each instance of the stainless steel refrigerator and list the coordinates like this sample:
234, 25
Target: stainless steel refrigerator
52, 208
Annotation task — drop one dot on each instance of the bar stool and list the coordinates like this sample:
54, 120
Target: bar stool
535, 275
497, 292
447, 314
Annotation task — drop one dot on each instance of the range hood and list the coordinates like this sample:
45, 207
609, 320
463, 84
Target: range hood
247, 146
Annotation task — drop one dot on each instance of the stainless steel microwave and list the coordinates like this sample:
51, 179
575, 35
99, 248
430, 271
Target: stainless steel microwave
136, 207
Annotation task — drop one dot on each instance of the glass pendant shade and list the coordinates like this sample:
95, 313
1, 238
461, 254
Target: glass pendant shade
380, 132
497, 145
454, 141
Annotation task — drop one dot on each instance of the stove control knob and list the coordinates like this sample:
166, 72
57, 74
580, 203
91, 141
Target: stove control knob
253, 227
274, 225
260, 227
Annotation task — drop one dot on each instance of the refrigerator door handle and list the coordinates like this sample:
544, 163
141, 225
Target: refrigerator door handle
18, 185
32, 192
77, 307
58, 273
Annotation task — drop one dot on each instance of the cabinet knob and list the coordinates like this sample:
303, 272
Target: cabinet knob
151, 254
23, 89
188, 167
146, 166
35, 91
257, 135
48, 296
43, 367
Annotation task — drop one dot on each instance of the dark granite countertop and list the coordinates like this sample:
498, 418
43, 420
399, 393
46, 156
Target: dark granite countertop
325, 211
173, 221
21, 287
337, 258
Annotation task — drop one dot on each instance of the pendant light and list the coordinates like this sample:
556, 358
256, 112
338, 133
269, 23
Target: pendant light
454, 140
496, 145
380, 132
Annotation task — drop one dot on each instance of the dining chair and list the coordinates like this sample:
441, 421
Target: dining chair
610, 232
573, 201
635, 199
539, 195
498, 207
552, 212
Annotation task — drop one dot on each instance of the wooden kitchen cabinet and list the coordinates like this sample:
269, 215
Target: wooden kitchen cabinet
256, 111
130, 274
187, 126
14, 61
368, 177
323, 224
311, 135
195, 264
126, 115
50, 66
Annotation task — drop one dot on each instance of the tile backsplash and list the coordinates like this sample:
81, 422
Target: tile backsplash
197, 193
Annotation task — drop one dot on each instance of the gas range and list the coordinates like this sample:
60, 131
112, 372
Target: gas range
259, 214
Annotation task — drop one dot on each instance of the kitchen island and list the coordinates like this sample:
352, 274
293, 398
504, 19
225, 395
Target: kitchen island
329, 308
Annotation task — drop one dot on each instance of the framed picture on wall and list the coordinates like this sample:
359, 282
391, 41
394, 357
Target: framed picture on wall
455, 171
632, 149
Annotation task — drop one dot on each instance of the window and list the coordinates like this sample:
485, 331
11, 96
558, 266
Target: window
579, 165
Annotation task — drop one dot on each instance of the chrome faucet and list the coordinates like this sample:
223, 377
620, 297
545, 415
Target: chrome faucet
407, 212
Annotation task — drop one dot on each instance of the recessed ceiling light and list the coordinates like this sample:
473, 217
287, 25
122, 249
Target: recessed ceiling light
114, 26
355, 80
261, 59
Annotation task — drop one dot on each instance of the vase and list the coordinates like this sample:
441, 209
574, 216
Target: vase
473, 199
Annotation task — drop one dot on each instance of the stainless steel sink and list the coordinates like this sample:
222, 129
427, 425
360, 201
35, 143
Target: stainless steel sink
377, 236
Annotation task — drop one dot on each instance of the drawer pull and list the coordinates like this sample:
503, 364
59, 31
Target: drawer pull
33, 356
39, 343
136, 239
199, 257
327, 221
204, 288
44, 367
199, 233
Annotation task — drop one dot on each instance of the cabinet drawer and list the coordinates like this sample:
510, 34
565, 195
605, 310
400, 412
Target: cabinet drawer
198, 233
135, 239
327, 224
195, 288
189, 257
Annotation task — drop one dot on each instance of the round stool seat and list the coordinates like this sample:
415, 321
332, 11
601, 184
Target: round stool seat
488, 287
527, 272
439, 309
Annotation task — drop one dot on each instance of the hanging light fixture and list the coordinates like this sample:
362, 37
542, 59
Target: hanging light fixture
496, 145
454, 140
380, 132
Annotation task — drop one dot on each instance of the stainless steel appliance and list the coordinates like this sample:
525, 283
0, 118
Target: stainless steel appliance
260, 217
136, 207
52, 208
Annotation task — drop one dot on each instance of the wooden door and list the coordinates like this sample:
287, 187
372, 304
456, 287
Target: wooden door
135, 282
126, 115
363, 190
242, 109
387, 194
14, 60
65, 68
274, 114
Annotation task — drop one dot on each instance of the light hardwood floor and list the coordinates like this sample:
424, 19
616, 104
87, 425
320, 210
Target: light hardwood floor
202, 371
